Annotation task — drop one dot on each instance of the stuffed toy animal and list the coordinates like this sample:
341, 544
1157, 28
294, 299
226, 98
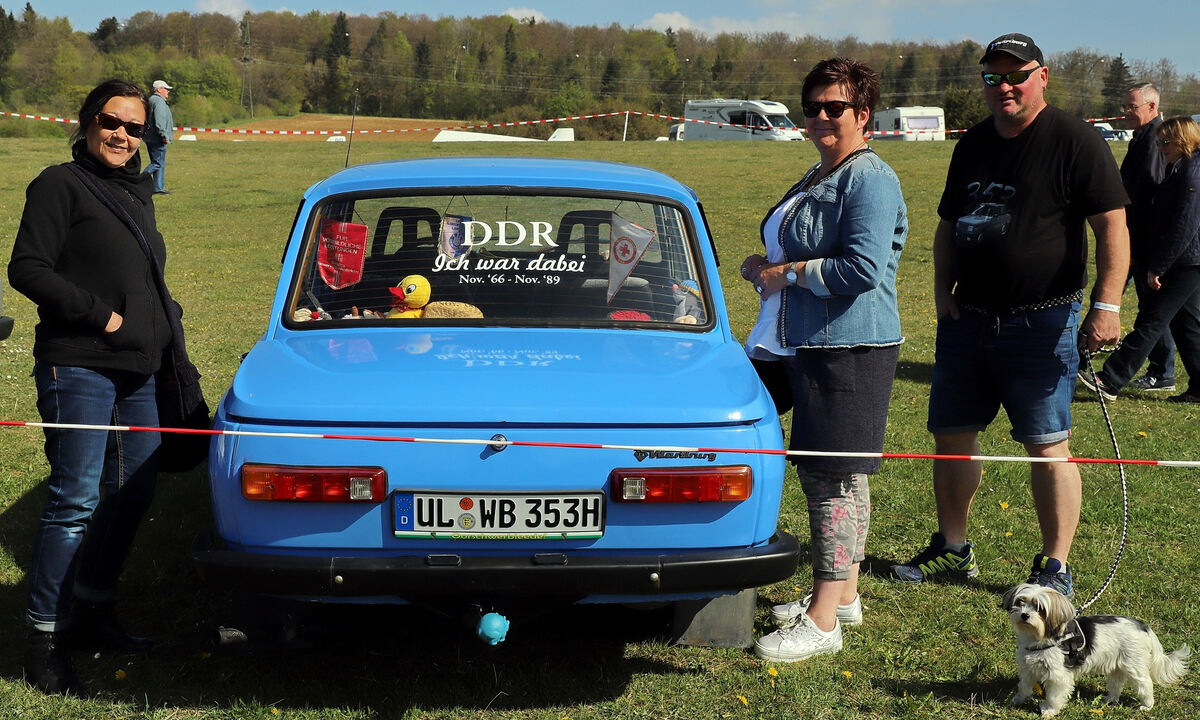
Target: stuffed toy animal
410, 297
411, 300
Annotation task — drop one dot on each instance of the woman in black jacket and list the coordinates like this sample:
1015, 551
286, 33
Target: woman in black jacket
1172, 270
99, 340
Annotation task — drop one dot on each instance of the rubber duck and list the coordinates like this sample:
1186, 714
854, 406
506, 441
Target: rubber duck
411, 296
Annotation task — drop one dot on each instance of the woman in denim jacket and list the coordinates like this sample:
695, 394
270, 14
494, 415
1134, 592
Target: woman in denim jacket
829, 323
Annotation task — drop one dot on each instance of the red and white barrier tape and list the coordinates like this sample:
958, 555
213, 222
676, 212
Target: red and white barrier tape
484, 126
607, 446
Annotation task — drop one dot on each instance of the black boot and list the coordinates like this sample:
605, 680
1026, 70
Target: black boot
95, 626
47, 666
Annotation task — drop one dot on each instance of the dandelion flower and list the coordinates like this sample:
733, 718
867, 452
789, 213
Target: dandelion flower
120, 675
744, 700
847, 673
772, 672
1008, 533
1003, 506
1141, 433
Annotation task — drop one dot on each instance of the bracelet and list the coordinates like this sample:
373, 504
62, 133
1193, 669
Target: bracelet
1106, 306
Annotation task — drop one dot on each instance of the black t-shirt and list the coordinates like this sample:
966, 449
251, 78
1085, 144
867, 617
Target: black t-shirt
1019, 207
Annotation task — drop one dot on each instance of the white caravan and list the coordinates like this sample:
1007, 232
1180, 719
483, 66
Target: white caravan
737, 120
909, 123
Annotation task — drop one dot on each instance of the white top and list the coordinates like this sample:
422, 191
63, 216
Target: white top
763, 343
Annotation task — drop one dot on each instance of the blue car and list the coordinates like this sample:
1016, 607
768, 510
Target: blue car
495, 384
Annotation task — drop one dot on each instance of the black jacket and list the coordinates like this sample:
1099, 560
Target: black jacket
78, 263
1177, 212
1142, 171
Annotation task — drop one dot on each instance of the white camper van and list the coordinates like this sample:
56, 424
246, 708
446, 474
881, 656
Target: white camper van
738, 120
909, 123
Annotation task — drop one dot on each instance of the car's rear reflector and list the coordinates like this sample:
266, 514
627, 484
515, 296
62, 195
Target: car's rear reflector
313, 484
730, 483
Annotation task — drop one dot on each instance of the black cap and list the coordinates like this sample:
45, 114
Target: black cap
1022, 47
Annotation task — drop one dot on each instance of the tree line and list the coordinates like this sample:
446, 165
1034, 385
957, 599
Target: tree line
498, 68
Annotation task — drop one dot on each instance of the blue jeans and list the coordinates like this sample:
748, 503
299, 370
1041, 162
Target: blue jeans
157, 168
1025, 362
100, 485
1175, 308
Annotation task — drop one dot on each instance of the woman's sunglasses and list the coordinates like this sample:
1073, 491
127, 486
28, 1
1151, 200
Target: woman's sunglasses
1016, 77
833, 108
114, 123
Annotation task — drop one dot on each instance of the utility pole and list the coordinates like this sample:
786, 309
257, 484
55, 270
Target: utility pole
247, 100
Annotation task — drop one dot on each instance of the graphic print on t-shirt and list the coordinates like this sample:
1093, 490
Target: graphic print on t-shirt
990, 219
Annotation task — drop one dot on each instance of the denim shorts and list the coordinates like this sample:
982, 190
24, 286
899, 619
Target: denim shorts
1025, 363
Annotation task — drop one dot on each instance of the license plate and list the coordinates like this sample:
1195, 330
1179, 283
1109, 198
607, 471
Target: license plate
498, 516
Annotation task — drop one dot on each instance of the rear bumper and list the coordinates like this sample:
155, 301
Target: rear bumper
573, 574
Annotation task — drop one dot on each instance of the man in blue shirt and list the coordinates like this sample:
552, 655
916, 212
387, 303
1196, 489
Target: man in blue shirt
159, 134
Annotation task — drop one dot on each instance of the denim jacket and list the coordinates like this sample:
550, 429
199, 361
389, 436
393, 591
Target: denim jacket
850, 227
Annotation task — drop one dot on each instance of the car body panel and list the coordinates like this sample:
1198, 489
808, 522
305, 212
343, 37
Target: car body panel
514, 377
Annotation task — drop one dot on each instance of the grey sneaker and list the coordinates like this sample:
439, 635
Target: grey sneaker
937, 562
1096, 384
800, 641
1149, 382
786, 615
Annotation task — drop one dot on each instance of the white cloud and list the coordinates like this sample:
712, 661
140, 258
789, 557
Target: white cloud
523, 13
674, 20
820, 19
231, 8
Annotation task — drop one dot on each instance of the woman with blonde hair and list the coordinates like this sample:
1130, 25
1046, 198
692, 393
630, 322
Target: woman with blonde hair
1173, 272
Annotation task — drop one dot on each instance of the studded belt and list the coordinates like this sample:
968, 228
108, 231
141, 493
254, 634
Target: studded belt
1074, 297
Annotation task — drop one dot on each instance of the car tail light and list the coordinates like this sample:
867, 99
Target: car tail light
731, 483
313, 484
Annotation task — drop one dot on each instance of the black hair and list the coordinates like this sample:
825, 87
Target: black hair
857, 78
99, 97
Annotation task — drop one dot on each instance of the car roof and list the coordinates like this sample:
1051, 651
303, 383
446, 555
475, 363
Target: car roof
501, 172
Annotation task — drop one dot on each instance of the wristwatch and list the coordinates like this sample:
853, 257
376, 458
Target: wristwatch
791, 275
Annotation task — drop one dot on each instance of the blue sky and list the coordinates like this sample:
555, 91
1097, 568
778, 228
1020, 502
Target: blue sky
1150, 31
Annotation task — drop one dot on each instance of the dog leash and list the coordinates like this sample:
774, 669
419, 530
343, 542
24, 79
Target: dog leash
1112, 435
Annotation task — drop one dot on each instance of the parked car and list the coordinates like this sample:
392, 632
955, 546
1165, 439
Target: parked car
496, 384
1112, 135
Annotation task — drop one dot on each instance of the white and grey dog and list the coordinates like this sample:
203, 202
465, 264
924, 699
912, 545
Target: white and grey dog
1054, 647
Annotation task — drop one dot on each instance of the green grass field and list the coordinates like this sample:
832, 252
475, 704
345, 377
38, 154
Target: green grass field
939, 651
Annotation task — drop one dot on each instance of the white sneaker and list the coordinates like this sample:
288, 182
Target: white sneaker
785, 615
800, 641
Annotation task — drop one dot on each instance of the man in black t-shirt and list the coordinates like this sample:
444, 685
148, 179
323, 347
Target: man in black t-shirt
1010, 265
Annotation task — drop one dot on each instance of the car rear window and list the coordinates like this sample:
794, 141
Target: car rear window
508, 259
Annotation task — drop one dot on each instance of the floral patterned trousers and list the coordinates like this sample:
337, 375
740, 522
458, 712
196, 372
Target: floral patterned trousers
839, 515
